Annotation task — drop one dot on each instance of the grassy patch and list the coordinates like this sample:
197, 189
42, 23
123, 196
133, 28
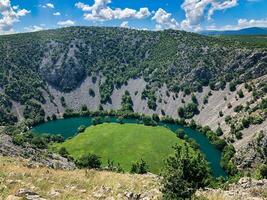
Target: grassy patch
125, 144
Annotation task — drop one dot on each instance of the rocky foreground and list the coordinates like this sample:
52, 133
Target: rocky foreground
19, 180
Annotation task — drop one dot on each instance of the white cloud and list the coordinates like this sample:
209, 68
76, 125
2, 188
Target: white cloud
125, 24
241, 23
9, 15
34, 28
49, 5
164, 20
56, 13
100, 11
197, 10
66, 23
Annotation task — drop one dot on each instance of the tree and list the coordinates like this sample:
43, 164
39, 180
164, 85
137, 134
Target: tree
185, 173
181, 112
240, 93
194, 99
232, 86
84, 108
90, 161
180, 133
91, 92
219, 131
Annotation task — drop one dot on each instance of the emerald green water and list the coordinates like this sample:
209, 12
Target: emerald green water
68, 128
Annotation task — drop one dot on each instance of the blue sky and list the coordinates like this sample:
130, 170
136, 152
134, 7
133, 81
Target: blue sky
190, 15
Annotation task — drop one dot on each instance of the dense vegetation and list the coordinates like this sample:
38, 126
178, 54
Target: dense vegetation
64, 57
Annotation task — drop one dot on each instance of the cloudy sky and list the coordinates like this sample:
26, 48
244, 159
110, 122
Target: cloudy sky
190, 15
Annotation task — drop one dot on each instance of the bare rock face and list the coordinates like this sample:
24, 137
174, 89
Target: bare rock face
37, 157
245, 189
254, 152
62, 70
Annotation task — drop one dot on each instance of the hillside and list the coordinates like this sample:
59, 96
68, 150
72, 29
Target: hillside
17, 181
22, 181
245, 31
125, 144
219, 82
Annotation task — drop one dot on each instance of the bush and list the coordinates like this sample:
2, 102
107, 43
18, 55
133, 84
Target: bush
188, 111
139, 167
238, 108
91, 92
232, 86
180, 133
263, 170
148, 121
81, 129
219, 131
97, 120
90, 161
63, 152
39, 142
240, 93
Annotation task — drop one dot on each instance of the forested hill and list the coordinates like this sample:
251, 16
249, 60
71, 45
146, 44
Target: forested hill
64, 57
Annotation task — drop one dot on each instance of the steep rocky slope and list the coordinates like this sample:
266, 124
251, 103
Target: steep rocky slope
47, 72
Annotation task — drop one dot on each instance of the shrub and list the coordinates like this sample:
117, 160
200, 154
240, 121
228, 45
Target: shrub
39, 142
81, 129
240, 93
219, 131
180, 133
188, 111
139, 167
96, 120
91, 92
84, 108
238, 108
90, 161
263, 170
232, 86
148, 121
63, 152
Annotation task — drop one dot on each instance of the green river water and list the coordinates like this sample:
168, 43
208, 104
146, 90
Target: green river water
68, 128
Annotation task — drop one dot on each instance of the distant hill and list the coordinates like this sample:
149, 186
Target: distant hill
245, 31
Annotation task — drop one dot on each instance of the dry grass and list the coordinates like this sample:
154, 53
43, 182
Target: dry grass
77, 184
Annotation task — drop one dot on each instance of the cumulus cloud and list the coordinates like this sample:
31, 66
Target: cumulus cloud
66, 23
197, 10
34, 28
48, 5
56, 13
164, 20
125, 24
241, 23
9, 15
100, 11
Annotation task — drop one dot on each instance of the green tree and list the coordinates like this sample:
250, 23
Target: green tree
90, 161
185, 173
180, 133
